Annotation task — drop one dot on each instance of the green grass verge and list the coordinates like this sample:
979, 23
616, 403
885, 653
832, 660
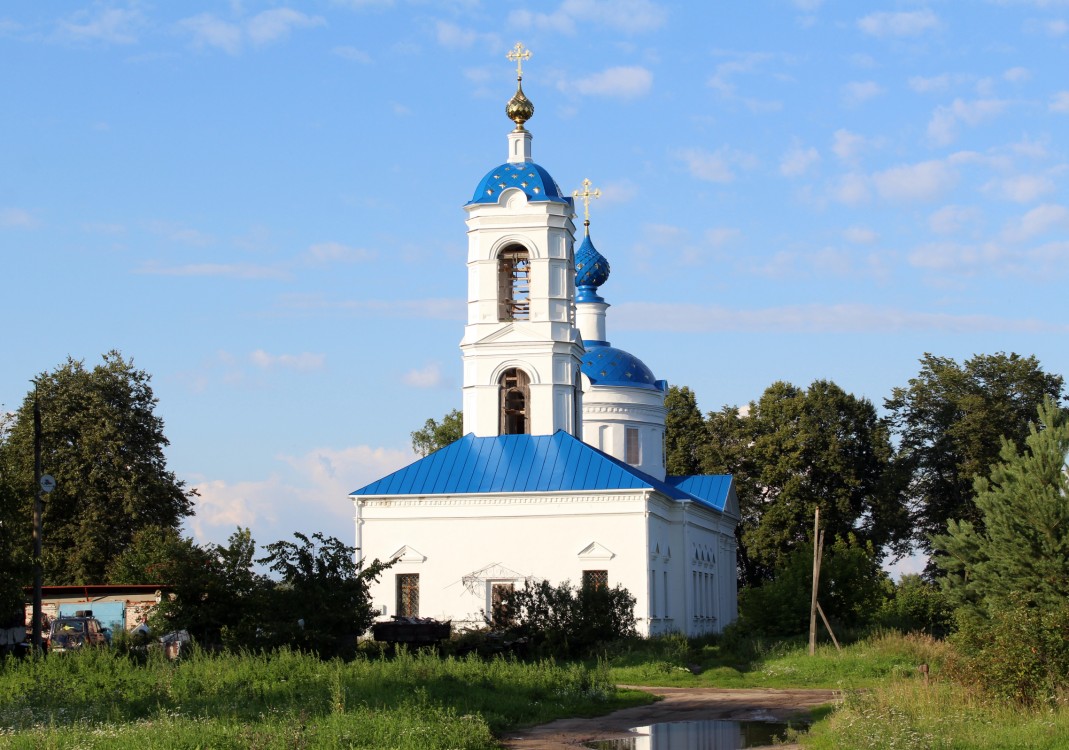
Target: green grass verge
908, 714
772, 664
99, 699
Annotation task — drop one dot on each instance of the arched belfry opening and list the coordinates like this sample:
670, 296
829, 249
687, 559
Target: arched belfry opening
515, 402
514, 283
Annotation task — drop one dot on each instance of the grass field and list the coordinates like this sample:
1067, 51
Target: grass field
772, 663
99, 699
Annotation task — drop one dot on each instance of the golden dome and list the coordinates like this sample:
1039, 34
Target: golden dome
519, 109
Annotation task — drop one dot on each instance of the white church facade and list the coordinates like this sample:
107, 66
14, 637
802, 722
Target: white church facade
561, 473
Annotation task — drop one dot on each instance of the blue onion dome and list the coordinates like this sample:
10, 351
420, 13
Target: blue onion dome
591, 271
606, 365
536, 183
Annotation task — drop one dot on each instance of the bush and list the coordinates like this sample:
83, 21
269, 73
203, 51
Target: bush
1020, 654
917, 607
566, 621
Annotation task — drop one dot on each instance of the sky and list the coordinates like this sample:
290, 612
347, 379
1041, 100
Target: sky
260, 203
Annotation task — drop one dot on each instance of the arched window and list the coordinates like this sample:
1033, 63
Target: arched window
514, 283
515, 395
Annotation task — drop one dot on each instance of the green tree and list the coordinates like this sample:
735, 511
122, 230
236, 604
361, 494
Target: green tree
214, 592
104, 444
322, 602
13, 537
685, 436
853, 588
1018, 553
795, 449
951, 420
435, 435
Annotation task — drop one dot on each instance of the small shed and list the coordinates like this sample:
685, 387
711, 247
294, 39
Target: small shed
120, 607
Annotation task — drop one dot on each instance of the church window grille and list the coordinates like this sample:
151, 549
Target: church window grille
515, 395
596, 579
408, 595
514, 284
499, 609
632, 450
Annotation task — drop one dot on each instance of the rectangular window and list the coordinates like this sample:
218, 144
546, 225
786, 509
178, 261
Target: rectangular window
408, 595
653, 593
632, 453
499, 614
597, 579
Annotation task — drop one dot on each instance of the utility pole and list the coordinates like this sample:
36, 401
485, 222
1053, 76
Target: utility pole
816, 581
38, 513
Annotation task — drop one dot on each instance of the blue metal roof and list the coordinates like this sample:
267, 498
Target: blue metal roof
519, 463
711, 488
607, 365
527, 176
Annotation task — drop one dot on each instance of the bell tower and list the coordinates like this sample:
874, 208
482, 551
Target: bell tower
521, 349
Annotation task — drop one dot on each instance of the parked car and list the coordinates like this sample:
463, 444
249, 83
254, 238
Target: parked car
71, 633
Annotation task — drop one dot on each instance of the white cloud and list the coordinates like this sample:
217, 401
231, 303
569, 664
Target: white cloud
1038, 221
720, 236
1059, 102
860, 235
797, 161
269, 25
453, 36
617, 192
454, 309
628, 16
335, 252
909, 182
16, 218
859, 92
625, 82
847, 145
851, 189
111, 25
809, 5
927, 85
208, 30
230, 270
713, 166
429, 376
1017, 74
1056, 26
906, 23
1025, 188
303, 362
307, 493
815, 318
353, 54
953, 219
943, 127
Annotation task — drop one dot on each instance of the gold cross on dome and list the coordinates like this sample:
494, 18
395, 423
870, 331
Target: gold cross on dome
519, 53
586, 195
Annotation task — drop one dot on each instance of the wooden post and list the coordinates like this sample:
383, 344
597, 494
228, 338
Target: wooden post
827, 624
816, 582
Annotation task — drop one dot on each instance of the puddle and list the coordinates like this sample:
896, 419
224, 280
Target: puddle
698, 735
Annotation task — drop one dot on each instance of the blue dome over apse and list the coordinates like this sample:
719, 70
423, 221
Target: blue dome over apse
591, 271
607, 365
527, 176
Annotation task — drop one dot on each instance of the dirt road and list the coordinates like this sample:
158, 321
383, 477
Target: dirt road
678, 704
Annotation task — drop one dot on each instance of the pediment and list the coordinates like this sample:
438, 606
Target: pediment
596, 551
408, 555
511, 333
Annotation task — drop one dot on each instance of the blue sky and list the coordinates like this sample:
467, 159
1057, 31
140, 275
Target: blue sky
260, 203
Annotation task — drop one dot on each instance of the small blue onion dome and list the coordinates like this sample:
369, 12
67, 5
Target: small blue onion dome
527, 176
606, 365
591, 269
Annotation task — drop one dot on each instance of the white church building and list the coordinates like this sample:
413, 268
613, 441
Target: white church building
561, 473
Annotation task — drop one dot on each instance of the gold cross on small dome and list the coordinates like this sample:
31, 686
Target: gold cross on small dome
519, 53
586, 195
